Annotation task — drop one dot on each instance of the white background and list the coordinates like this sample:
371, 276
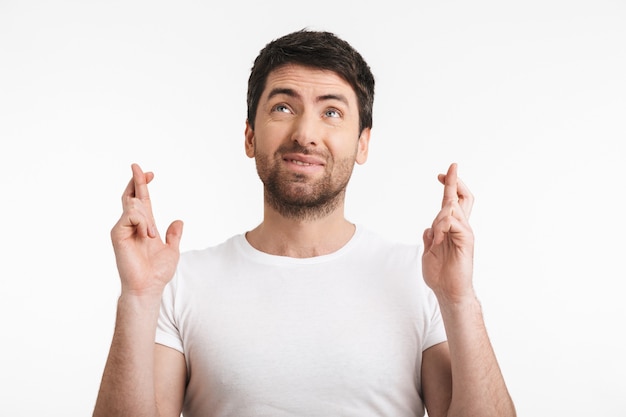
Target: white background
528, 97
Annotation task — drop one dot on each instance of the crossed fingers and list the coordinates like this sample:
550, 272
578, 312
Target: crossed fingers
136, 203
456, 206
455, 191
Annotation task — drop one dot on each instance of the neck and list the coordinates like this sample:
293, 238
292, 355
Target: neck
301, 238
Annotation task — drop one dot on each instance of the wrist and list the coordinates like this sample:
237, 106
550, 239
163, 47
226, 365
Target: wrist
142, 292
137, 317
140, 300
459, 304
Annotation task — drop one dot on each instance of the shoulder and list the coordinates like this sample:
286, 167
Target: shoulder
378, 245
210, 258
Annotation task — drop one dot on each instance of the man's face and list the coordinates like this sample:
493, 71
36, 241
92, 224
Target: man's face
306, 140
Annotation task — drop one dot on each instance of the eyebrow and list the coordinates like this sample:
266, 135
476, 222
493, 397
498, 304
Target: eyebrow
292, 93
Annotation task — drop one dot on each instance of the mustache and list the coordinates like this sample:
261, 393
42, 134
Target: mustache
295, 147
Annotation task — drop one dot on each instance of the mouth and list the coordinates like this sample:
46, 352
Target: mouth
304, 160
301, 163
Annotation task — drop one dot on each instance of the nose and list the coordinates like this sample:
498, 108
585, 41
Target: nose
306, 130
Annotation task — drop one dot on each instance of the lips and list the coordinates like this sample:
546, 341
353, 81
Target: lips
303, 160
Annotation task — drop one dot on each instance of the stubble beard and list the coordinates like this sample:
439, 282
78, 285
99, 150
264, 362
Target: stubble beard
296, 196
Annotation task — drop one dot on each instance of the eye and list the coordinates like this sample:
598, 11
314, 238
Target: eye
332, 113
281, 108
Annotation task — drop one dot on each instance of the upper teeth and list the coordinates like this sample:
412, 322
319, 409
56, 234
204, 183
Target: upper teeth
300, 162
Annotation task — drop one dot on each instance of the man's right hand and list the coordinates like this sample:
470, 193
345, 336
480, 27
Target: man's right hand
145, 263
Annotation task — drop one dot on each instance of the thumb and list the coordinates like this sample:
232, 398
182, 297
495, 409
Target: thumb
174, 234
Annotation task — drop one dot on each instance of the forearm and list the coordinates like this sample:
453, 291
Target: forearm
478, 387
127, 387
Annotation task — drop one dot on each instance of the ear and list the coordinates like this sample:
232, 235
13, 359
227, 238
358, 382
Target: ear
363, 146
249, 143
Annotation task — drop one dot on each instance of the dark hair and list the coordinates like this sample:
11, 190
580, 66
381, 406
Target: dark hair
322, 50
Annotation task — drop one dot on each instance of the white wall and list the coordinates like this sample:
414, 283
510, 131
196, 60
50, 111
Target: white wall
529, 98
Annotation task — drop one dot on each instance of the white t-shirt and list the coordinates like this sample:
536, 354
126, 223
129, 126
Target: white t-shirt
334, 335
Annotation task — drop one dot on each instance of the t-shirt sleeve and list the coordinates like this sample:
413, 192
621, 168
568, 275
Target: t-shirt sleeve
436, 332
167, 332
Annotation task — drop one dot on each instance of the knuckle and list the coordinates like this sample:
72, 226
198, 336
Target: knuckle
132, 212
117, 230
133, 205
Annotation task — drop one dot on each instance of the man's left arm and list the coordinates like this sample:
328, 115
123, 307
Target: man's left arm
460, 377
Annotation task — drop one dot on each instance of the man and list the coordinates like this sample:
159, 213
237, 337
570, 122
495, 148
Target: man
307, 314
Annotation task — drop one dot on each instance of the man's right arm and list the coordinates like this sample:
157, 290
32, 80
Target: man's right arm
141, 378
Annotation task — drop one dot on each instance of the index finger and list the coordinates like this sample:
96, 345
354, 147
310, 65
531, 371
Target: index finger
129, 191
450, 186
140, 183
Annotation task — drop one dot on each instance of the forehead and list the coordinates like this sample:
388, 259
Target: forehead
307, 81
